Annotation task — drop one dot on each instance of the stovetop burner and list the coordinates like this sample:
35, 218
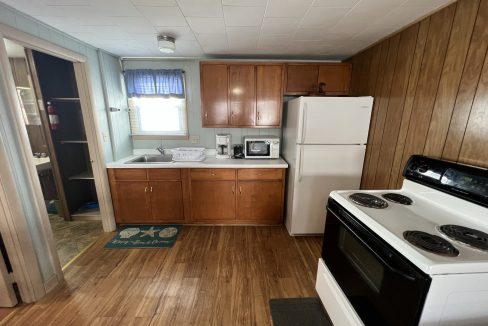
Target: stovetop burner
398, 198
368, 200
431, 243
470, 237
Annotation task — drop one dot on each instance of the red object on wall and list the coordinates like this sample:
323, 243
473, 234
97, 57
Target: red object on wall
53, 116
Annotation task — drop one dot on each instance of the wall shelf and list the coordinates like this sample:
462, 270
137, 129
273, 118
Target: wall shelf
65, 99
73, 141
86, 175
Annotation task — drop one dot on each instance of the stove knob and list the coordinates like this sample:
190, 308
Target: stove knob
423, 168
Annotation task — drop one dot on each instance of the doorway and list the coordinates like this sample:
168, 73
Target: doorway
51, 110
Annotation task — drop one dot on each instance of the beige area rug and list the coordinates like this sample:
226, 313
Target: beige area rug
72, 237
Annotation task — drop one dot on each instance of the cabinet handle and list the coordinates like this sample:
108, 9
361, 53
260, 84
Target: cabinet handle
212, 174
233, 190
259, 116
240, 190
151, 189
206, 114
145, 189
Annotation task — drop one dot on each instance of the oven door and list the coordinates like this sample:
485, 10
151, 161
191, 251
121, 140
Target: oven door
258, 149
383, 287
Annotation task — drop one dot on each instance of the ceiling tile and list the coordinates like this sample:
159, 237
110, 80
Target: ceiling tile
431, 3
132, 24
336, 3
155, 3
183, 33
279, 25
205, 25
243, 30
252, 3
323, 17
201, 8
309, 34
243, 16
163, 16
287, 8
400, 16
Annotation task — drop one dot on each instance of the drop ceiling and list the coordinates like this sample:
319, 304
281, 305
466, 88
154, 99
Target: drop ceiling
305, 29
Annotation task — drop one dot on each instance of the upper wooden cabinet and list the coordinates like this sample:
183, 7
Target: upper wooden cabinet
269, 95
214, 81
327, 78
241, 94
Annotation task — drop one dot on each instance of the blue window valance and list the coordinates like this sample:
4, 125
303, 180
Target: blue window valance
151, 82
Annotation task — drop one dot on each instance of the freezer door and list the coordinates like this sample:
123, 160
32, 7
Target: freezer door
334, 120
319, 170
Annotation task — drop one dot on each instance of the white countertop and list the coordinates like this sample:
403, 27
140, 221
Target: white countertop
209, 162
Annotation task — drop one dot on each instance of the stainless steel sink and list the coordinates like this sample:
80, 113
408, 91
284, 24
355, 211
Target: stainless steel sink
154, 159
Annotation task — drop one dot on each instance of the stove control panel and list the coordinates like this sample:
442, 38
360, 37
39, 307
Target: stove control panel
467, 182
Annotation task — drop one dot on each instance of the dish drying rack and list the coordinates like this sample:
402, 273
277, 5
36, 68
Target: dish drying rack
189, 154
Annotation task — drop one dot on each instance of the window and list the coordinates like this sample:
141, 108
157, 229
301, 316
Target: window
157, 103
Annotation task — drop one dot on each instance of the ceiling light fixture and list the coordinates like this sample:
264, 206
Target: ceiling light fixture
166, 43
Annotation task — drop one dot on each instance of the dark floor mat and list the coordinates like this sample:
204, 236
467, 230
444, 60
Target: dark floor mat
298, 312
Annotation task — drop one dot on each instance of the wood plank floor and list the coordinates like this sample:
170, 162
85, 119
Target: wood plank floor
213, 275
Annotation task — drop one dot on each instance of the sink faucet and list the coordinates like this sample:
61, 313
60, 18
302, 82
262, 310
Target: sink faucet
160, 149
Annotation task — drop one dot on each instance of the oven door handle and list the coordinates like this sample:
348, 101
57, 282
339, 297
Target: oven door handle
378, 256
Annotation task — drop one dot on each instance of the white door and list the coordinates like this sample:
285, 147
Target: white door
7, 294
320, 170
334, 120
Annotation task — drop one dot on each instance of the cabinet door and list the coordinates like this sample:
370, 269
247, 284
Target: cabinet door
260, 200
213, 200
242, 95
336, 78
166, 201
301, 79
214, 88
131, 202
269, 95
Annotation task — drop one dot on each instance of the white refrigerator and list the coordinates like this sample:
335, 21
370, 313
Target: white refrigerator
324, 143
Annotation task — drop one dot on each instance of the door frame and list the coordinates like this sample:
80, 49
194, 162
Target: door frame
13, 224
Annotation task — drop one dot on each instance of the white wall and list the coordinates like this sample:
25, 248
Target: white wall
118, 121
192, 79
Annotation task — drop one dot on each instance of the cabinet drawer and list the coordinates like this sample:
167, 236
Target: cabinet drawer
129, 174
213, 174
260, 174
164, 174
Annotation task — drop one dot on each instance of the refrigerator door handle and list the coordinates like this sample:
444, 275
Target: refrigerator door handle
304, 118
300, 164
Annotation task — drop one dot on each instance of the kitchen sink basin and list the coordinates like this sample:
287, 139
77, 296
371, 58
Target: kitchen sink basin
155, 159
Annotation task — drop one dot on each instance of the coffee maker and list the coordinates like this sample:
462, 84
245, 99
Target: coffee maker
223, 145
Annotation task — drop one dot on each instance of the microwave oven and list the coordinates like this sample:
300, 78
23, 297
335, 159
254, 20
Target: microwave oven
261, 147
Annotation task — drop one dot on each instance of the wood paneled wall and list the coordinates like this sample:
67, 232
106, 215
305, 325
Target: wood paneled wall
430, 84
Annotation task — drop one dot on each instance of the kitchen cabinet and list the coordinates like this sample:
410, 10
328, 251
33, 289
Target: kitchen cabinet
213, 194
318, 79
335, 78
260, 195
147, 195
269, 95
214, 83
198, 195
241, 94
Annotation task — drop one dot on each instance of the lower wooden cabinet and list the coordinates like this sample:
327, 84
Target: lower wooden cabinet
223, 196
136, 201
213, 200
131, 202
260, 200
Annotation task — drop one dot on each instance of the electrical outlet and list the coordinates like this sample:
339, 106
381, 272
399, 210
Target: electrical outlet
195, 139
106, 137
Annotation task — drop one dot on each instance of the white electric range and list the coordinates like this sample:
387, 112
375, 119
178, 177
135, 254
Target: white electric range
418, 255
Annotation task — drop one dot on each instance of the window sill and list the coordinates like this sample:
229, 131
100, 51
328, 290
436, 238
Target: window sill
159, 137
